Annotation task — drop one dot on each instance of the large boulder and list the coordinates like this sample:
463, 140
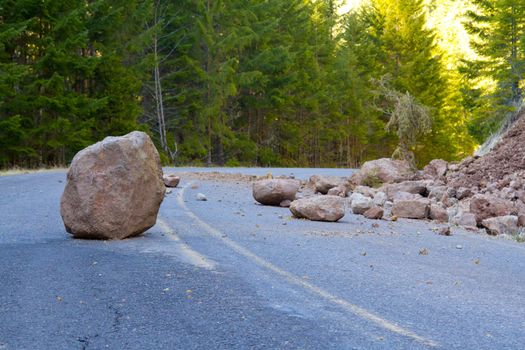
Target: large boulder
360, 203
319, 208
114, 188
507, 224
415, 208
384, 170
275, 191
323, 184
485, 206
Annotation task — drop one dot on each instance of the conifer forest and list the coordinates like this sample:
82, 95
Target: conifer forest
317, 83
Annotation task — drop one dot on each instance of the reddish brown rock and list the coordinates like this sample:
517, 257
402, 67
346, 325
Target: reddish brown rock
171, 180
417, 208
319, 208
438, 213
275, 191
486, 206
437, 168
507, 224
323, 184
114, 188
374, 213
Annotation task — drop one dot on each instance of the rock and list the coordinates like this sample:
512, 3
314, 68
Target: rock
464, 219
366, 191
323, 184
521, 220
201, 197
417, 208
285, 204
274, 191
437, 192
485, 206
404, 196
338, 191
319, 208
375, 213
413, 187
171, 180
380, 198
114, 188
437, 168
463, 192
444, 231
384, 170
507, 224
438, 213
360, 203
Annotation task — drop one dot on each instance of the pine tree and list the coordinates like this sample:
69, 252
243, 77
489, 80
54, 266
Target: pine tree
498, 30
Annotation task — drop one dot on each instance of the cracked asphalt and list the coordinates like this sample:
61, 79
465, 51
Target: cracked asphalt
227, 273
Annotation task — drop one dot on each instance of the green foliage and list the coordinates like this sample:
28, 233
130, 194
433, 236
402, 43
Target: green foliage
252, 82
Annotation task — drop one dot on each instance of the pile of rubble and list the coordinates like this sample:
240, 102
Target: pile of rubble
479, 192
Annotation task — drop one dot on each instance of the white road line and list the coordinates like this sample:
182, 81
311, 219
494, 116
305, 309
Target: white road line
291, 278
188, 254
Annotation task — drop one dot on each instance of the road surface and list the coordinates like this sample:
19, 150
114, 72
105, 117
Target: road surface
230, 274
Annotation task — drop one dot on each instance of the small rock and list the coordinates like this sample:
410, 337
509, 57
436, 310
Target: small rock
285, 204
444, 231
459, 246
340, 191
374, 213
423, 251
201, 197
323, 184
171, 180
360, 203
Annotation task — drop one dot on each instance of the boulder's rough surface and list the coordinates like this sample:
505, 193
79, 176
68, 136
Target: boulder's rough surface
374, 213
360, 203
384, 170
465, 219
171, 180
486, 206
275, 191
340, 191
323, 184
366, 191
417, 208
507, 224
413, 187
436, 169
438, 213
319, 208
380, 198
114, 188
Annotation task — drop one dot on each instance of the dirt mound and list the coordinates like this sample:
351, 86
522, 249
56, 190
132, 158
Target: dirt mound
496, 168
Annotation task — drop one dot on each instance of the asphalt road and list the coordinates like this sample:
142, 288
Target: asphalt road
230, 274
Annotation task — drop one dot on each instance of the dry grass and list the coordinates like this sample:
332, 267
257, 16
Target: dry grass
21, 171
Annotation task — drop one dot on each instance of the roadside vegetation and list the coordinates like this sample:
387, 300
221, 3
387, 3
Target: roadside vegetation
253, 82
